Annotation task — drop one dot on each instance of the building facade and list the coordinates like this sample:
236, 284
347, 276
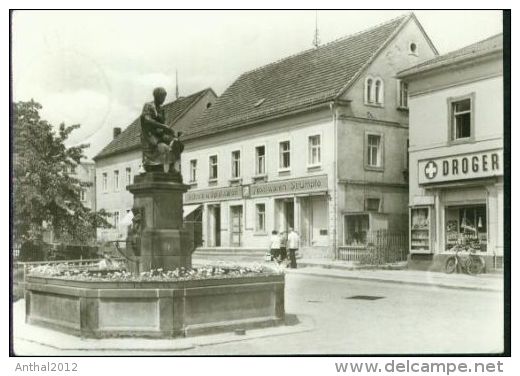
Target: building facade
120, 161
456, 154
316, 142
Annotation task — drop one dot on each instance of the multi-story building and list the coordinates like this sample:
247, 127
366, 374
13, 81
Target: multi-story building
121, 159
456, 154
316, 141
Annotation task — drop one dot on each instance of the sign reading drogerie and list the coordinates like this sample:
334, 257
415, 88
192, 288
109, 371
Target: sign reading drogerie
461, 167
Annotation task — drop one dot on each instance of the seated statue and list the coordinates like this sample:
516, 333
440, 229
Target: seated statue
161, 145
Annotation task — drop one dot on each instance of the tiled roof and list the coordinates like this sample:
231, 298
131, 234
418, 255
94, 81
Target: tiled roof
311, 77
482, 47
130, 138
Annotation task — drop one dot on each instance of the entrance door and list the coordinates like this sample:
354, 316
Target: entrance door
289, 214
236, 226
214, 225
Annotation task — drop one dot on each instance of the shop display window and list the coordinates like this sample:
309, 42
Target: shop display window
420, 230
356, 229
466, 225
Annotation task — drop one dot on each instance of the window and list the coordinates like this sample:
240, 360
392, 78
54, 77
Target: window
116, 180
260, 160
285, 155
193, 170
314, 150
374, 91
374, 150
412, 48
73, 170
235, 164
466, 225
104, 182
128, 176
379, 92
356, 229
368, 90
260, 218
403, 94
372, 204
461, 119
115, 218
82, 195
213, 167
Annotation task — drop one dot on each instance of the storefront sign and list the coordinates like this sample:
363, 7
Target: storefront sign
461, 167
292, 186
217, 194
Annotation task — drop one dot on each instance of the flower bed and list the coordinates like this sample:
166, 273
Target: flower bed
119, 273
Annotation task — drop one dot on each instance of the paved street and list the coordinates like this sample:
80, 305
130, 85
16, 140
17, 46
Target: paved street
406, 319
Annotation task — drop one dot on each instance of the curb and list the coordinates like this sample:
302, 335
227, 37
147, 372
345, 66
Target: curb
403, 282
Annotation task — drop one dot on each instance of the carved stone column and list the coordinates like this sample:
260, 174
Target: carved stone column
164, 243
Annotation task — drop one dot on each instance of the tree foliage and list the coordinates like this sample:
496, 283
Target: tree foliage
45, 194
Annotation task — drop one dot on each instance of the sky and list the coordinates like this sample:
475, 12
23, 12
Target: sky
97, 68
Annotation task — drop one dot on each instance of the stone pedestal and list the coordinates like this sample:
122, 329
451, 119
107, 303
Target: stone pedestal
164, 243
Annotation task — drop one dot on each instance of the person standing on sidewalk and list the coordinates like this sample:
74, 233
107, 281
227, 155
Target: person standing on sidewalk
293, 243
283, 246
275, 246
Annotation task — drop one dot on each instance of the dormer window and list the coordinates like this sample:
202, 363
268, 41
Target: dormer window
374, 91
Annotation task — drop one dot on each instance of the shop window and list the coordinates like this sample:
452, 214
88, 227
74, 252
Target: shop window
116, 180
260, 160
314, 150
213, 167
104, 182
285, 155
235, 164
461, 118
374, 153
260, 218
372, 204
128, 176
466, 225
193, 170
356, 229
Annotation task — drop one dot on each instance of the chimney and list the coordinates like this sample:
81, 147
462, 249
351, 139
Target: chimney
116, 132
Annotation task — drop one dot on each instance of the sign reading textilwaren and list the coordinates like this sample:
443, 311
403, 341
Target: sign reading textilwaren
290, 186
216, 194
461, 167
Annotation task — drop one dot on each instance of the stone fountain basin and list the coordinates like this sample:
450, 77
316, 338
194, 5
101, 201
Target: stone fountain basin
101, 309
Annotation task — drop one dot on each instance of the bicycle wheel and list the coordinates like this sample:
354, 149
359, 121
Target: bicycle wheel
475, 265
451, 264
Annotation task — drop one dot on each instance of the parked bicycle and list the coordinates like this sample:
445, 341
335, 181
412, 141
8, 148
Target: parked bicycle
465, 259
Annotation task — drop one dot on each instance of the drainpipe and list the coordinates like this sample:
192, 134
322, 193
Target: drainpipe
335, 179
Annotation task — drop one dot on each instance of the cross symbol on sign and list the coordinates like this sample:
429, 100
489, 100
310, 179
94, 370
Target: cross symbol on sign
430, 169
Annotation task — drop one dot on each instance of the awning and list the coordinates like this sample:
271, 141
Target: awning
188, 209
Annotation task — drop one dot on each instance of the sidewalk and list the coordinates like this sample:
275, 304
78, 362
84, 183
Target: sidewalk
25, 334
392, 273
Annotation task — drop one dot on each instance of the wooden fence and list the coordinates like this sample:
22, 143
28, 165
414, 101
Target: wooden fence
378, 247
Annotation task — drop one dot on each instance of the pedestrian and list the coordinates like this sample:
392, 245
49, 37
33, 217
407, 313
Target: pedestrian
293, 243
283, 246
274, 248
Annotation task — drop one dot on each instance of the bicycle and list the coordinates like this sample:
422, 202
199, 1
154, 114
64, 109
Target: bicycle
470, 263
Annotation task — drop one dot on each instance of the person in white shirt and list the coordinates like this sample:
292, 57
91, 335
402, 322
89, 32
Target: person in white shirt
275, 246
293, 243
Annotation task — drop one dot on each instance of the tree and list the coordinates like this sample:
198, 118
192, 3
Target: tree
44, 192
